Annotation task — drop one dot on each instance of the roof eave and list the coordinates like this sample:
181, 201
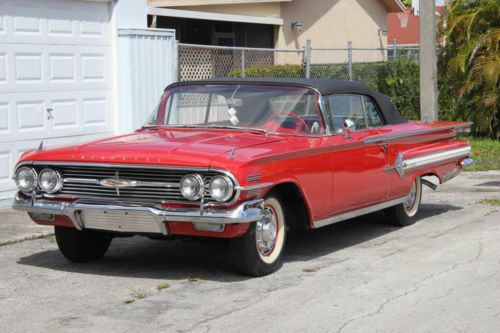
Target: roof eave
394, 5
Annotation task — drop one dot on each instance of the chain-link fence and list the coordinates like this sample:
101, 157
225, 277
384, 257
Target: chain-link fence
351, 63
198, 62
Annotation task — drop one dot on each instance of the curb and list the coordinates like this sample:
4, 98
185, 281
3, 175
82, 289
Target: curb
27, 238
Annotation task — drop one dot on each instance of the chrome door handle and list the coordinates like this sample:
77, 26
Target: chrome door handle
384, 146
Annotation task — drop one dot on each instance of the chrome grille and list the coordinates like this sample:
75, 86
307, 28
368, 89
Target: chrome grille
120, 221
153, 184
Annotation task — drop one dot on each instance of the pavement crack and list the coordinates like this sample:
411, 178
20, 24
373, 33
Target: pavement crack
253, 301
416, 287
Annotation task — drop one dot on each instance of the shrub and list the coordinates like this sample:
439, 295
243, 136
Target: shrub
399, 78
271, 71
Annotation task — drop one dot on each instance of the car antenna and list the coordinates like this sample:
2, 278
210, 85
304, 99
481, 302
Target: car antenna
40, 146
232, 153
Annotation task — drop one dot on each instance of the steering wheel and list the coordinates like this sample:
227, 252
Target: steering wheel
293, 115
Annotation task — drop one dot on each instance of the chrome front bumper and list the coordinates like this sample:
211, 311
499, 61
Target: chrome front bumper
247, 212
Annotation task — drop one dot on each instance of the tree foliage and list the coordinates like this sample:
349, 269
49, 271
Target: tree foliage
407, 3
470, 62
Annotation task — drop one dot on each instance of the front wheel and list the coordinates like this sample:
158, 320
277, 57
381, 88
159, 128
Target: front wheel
405, 213
82, 245
259, 251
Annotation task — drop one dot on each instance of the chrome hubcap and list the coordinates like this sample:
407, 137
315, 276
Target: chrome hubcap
411, 198
266, 231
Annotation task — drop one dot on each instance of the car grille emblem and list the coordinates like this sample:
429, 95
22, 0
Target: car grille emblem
116, 183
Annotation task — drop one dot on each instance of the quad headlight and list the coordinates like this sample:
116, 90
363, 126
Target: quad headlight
50, 181
26, 179
192, 186
221, 188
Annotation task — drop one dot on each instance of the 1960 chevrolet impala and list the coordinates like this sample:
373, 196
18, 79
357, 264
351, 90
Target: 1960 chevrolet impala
242, 159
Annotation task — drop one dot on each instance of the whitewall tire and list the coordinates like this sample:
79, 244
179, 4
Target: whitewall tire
406, 213
259, 251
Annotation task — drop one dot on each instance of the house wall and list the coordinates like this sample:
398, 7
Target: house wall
328, 23
332, 23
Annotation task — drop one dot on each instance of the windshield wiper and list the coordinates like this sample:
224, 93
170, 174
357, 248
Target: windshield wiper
173, 126
248, 129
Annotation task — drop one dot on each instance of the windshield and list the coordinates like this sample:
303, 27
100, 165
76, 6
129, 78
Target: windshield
276, 109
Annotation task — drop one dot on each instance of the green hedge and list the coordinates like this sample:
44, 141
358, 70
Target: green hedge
398, 78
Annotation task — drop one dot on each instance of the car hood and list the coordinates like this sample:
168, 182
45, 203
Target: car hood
183, 147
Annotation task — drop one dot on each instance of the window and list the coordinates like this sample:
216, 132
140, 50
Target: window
360, 110
372, 113
345, 107
195, 108
278, 109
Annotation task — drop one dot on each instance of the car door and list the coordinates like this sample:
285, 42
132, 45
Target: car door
359, 179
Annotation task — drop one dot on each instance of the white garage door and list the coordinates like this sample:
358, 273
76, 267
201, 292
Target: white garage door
55, 76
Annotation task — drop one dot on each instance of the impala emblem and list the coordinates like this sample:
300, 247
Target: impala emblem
116, 183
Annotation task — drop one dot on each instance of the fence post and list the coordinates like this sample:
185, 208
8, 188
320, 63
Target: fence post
394, 49
178, 61
308, 58
243, 63
349, 59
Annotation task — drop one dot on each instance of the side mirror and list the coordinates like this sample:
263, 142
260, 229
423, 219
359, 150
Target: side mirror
348, 126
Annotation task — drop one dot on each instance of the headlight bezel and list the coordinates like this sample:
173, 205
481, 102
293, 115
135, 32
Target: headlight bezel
58, 184
34, 185
229, 192
201, 187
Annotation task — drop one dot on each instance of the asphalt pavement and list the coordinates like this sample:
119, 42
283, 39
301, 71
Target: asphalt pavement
361, 275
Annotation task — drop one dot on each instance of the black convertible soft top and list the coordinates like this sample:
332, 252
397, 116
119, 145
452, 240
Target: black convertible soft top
325, 87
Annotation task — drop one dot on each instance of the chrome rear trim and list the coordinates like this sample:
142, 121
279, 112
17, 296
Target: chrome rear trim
402, 165
420, 161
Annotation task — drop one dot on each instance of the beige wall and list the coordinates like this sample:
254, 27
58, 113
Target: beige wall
179, 3
254, 9
332, 23
328, 23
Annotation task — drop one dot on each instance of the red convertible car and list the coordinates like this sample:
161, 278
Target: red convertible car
242, 159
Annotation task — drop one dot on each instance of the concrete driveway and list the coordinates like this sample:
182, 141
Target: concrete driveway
439, 275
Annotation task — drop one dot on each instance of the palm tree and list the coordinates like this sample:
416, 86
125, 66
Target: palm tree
470, 61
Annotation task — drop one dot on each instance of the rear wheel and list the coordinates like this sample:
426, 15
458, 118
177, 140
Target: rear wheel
405, 213
82, 245
259, 251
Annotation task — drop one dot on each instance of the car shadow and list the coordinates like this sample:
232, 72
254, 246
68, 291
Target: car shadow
140, 257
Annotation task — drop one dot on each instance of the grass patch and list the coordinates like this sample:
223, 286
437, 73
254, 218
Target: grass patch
310, 270
138, 294
161, 286
491, 202
491, 212
194, 278
486, 152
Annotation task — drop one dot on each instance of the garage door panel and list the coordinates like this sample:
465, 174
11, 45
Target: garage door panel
31, 116
5, 115
54, 22
28, 68
3, 68
33, 68
5, 169
71, 113
65, 113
